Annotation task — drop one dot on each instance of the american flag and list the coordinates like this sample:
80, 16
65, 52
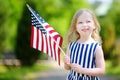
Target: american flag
43, 37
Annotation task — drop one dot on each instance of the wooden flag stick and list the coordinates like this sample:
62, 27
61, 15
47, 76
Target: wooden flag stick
58, 46
61, 50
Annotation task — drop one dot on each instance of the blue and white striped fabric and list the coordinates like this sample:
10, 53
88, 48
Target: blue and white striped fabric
82, 54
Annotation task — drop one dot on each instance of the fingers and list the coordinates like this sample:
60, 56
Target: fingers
66, 60
75, 67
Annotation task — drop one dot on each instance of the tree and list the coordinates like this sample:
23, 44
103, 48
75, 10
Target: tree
3, 14
24, 52
57, 13
111, 32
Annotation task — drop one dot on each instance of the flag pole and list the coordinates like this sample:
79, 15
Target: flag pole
27, 5
53, 39
59, 47
62, 50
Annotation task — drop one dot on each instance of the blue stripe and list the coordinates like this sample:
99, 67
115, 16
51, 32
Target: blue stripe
84, 61
93, 61
77, 53
95, 47
90, 54
73, 52
71, 48
81, 53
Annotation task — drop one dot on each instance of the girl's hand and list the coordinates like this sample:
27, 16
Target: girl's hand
76, 67
66, 59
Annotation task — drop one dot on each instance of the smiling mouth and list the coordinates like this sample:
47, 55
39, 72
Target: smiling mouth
85, 30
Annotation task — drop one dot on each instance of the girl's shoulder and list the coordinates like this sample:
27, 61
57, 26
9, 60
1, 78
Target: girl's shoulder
73, 43
93, 42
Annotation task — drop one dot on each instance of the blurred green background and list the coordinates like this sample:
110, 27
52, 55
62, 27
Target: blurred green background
15, 32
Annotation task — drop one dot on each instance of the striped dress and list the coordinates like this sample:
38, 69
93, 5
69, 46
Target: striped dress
82, 54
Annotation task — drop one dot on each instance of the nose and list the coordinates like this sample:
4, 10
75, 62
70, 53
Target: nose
84, 24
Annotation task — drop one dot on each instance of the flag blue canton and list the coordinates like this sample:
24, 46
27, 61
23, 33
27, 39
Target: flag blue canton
37, 23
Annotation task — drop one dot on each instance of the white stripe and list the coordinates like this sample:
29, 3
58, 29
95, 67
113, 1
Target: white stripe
40, 41
49, 51
70, 48
73, 51
57, 47
87, 55
52, 48
83, 54
44, 24
34, 37
78, 59
49, 29
91, 55
44, 41
53, 34
75, 57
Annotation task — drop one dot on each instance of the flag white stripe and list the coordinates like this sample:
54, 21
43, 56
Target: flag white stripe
53, 34
58, 40
44, 41
49, 51
40, 41
35, 37
52, 42
49, 29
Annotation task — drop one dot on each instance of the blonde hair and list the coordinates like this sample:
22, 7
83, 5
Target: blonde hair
73, 34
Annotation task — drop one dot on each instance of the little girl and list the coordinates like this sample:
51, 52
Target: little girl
84, 56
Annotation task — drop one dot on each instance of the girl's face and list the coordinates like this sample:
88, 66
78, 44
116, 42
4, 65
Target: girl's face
85, 24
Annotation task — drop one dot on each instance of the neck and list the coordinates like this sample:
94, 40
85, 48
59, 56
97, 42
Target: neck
85, 39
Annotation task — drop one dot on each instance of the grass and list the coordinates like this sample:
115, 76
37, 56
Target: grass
26, 73
18, 73
112, 70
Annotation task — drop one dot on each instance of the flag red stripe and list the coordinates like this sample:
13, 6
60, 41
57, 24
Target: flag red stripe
42, 41
60, 43
47, 26
37, 39
50, 46
52, 31
32, 34
46, 44
54, 44
59, 56
56, 36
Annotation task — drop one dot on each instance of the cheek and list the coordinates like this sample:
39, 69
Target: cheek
93, 26
78, 28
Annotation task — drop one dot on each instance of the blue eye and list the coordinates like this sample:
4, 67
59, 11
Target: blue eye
88, 21
80, 22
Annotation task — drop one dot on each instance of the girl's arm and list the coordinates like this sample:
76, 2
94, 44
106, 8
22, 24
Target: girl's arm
100, 65
66, 63
66, 60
